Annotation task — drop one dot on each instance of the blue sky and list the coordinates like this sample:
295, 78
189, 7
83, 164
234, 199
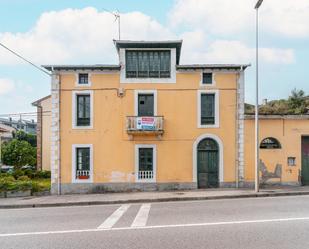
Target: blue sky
222, 31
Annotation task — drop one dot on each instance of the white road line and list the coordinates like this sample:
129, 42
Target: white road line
112, 220
156, 227
142, 216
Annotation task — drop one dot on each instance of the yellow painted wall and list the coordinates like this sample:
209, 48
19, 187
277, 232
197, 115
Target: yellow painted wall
288, 132
114, 152
46, 133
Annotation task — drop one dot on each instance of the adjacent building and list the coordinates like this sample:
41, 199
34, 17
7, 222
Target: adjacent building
147, 123
284, 149
43, 132
28, 126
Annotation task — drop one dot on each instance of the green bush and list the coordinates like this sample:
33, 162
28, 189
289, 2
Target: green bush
30, 173
23, 182
20, 186
36, 187
44, 174
6, 183
23, 178
18, 173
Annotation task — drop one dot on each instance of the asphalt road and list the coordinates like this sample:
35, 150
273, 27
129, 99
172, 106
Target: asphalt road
279, 222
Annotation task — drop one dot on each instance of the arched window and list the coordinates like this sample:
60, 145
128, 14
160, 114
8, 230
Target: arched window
208, 144
270, 143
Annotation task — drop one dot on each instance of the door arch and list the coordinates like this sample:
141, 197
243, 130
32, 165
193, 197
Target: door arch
220, 157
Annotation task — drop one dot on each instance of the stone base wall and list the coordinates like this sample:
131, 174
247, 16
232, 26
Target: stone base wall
88, 188
274, 184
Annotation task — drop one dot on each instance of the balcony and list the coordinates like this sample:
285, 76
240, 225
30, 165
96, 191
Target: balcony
83, 174
145, 125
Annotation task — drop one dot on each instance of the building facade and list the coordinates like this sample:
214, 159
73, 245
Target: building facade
284, 149
148, 123
43, 132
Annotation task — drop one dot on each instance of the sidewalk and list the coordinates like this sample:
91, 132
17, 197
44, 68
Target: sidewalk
139, 197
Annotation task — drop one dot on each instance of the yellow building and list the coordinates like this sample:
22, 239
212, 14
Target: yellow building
284, 149
148, 123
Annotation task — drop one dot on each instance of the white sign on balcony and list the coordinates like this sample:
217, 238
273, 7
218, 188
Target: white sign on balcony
145, 123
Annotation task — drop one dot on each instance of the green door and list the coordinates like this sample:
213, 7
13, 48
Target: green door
208, 164
305, 161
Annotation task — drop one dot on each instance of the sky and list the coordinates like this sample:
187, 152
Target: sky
221, 31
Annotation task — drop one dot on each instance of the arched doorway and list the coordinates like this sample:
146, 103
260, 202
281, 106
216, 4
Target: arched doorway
208, 163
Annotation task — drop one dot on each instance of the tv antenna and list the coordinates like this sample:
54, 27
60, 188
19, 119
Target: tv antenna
117, 18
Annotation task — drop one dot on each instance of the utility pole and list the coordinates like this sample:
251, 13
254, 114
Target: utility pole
257, 142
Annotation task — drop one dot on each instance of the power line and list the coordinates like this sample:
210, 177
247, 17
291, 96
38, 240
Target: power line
23, 113
21, 57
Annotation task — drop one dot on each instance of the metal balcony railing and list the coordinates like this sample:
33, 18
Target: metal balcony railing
138, 124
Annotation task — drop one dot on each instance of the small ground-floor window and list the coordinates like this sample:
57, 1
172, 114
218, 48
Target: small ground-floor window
82, 163
145, 163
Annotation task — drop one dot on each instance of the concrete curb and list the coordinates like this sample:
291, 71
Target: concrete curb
163, 199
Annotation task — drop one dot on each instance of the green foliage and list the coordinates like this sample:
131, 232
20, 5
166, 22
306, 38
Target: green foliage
18, 173
23, 136
23, 183
18, 153
6, 182
23, 178
296, 104
46, 174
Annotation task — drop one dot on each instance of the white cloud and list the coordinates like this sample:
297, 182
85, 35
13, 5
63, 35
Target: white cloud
79, 36
6, 86
219, 17
288, 17
230, 51
225, 17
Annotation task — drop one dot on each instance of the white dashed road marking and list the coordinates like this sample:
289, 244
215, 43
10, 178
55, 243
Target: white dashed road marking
142, 216
112, 220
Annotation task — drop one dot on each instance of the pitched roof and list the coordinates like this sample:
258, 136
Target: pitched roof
97, 67
37, 102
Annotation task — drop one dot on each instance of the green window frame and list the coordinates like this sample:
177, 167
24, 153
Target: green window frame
207, 79
145, 104
83, 109
145, 159
83, 78
82, 159
148, 64
208, 108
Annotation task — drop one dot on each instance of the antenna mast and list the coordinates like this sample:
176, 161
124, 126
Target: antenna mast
117, 15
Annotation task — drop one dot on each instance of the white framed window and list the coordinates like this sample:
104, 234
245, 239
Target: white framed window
145, 162
207, 78
83, 79
82, 109
82, 163
150, 102
208, 109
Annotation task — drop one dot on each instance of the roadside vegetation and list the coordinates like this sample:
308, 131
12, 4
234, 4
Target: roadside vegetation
24, 180
20, 174
296, 104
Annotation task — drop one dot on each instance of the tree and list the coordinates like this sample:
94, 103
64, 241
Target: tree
23, 136
297, 102
18, 153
